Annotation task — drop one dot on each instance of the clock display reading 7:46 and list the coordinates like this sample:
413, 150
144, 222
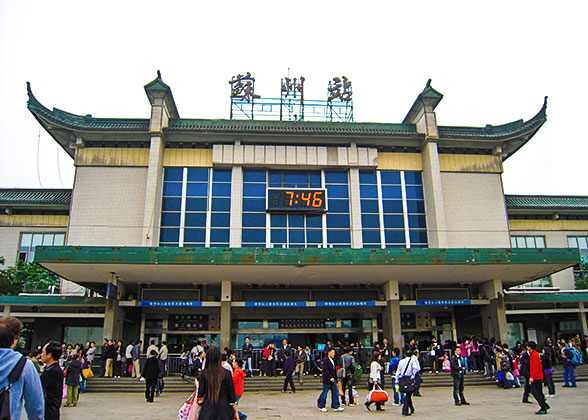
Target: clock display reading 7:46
304, 200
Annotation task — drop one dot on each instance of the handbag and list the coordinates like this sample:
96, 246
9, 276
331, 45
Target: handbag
377, 395
184, 412
406, 384
87, 372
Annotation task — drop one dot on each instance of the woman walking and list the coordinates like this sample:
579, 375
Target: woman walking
375, 378
72, 380
216, 394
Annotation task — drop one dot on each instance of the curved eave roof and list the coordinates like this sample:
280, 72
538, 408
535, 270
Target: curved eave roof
546, 204
511, 136
35, 198
65, 127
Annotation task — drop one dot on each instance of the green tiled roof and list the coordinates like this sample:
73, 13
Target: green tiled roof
18, 197
292, 127
546, 202
497, 132
83, 122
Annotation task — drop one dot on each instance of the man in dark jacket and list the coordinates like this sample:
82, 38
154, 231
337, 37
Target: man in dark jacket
329, 383
524, 371
151, 373
458, 373
52, 380
288, 371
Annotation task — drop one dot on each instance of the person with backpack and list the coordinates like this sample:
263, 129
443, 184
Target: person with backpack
19, 379
348, 367
567, 355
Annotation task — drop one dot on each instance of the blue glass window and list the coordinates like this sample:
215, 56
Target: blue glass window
415, 206
253, 176
371, 237
338, 206
395, 237
220, 236
221, 204
254, 205
391, 191
278, 220
254, 190
174, 174
194, 235
278, 236
253, 219
417, 222
195, 220
221, 175
196, 204
367, 177
368, 191
221, 190
253, 236
169, 235
337, 237
314, 236
295, 221
170, 219
394, 221
369, 206
171, 204
337, 191
413, 178
296, 236
197, 189
335, 177
337, 221
390, 177
198, 174
414, 192
172, 189
419, 237
370, 221
220, 220
314, 221
392, 206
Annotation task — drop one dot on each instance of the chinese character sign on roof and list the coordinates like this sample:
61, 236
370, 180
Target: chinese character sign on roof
340, 89
242, 87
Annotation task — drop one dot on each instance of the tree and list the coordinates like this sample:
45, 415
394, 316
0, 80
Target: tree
28, 278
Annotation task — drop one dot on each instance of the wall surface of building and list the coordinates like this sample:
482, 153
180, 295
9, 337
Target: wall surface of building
107, 206
475, 212
10, 235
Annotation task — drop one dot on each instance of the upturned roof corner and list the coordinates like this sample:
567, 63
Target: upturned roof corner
157, 89
428, 98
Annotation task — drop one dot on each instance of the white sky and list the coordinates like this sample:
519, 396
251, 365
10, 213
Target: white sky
494, 63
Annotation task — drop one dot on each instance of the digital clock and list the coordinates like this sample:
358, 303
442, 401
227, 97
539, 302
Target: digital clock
296, 200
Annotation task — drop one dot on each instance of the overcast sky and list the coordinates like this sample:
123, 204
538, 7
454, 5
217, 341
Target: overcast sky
493, 63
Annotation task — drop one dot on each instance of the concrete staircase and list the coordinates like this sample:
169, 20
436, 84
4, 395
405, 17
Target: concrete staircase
257, 384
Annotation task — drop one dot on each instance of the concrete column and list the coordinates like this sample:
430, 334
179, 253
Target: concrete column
494, 314
391, 315
355, 209
6, 310
142, 333
153, 192
582, 316
453, 325
113, 313
225, 317
235, 239
433, 192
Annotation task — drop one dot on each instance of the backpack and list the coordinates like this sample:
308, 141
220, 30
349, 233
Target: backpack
576, 356
5, 391
504, 365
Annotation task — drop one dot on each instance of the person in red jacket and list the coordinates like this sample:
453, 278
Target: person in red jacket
536, 378
239, 382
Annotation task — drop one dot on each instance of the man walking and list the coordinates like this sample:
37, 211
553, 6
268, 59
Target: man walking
27, 386
52, 379
536, 377
458, 373
329, 384
348, 365
300, 363
163, 353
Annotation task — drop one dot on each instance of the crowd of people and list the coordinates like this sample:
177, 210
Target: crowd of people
58, 371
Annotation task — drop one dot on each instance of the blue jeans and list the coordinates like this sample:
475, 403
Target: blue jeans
569, 375
247, 365
398, 396
322, 399
464, 360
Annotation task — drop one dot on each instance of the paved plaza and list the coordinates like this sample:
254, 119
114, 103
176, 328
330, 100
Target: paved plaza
488, 402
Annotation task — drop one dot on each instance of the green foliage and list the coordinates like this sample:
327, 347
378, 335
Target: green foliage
581, 275
26, 278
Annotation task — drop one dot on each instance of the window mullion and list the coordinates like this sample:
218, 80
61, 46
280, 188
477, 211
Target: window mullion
405, 209
208, 209
381, 210
183, 206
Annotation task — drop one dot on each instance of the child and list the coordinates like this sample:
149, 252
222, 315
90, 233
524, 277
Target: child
239, 382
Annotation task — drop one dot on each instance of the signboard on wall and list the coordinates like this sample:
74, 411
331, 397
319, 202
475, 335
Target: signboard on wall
188, 322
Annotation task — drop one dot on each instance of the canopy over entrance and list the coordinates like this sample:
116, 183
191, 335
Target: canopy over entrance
94, 266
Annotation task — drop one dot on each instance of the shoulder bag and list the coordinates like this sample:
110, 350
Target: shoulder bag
406, 384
